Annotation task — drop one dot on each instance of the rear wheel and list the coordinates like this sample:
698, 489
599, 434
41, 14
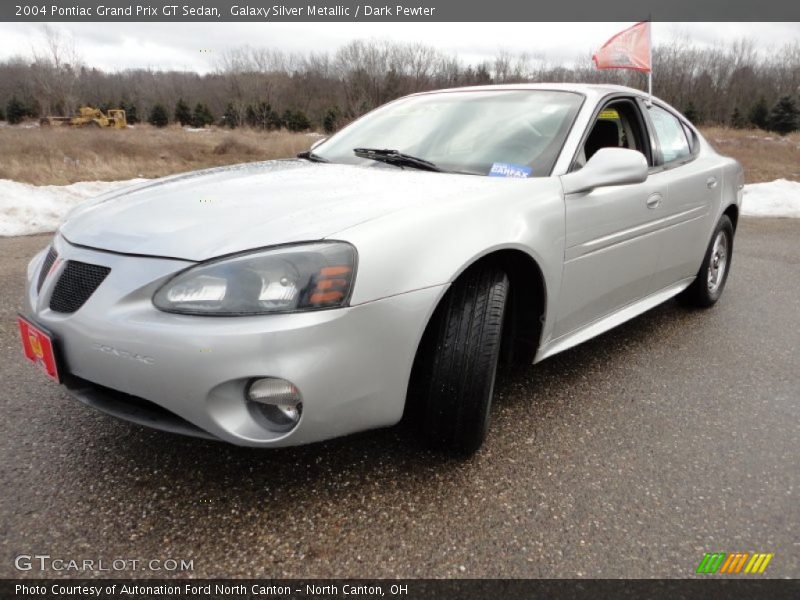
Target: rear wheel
707, 288
457, 363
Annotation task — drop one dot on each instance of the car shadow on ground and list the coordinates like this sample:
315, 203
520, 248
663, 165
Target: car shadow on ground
155, 489
217, 469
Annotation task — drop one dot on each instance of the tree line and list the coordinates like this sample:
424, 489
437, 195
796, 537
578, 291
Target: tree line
265, 88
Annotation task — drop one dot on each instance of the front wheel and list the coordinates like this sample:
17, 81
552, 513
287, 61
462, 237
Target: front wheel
707, 288
460, 358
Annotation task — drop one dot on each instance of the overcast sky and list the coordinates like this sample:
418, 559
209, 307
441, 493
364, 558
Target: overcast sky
196, 46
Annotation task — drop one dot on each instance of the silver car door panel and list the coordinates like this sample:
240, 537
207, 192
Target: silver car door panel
693, 193
610, 253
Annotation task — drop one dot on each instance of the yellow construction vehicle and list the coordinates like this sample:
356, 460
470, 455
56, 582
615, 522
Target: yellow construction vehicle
89, 117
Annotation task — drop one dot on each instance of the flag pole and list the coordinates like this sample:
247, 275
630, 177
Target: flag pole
650, 72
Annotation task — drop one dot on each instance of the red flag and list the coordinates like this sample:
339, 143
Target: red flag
629, 49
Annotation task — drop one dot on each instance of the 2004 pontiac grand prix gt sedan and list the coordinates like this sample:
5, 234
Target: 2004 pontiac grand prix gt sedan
386, 271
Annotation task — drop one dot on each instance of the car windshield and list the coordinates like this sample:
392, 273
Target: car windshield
506, 133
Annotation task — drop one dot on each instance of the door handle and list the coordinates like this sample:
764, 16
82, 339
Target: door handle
654, 200
711, 182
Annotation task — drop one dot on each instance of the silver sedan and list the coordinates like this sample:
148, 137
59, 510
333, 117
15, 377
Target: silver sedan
385, 272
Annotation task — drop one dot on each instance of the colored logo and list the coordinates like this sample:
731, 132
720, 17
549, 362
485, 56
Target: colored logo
734, 563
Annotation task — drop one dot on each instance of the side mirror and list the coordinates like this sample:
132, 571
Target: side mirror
608, 166
317, 143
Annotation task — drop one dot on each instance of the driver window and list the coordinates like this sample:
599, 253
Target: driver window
617, 126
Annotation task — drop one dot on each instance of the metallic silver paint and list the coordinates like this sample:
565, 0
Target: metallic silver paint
609, 166
606, 255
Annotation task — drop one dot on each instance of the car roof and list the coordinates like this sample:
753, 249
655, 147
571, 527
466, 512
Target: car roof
592, 90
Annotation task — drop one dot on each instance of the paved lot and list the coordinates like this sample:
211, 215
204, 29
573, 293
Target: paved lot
676, 434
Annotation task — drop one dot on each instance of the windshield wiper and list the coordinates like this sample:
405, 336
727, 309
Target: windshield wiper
309, 155
393, 157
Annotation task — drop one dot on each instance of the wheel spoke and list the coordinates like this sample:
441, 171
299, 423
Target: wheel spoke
718, 262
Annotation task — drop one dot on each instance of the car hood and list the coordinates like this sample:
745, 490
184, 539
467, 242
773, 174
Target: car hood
219, 211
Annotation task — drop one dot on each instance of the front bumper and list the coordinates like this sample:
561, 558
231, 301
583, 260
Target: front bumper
188, 374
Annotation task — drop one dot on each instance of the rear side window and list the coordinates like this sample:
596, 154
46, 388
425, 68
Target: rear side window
670, 134
690, 136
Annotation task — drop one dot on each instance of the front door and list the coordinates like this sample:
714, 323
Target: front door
611, 246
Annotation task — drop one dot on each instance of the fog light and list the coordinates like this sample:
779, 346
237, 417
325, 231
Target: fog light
277, 400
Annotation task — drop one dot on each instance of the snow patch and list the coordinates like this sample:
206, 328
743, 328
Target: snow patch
27, 209
779, 198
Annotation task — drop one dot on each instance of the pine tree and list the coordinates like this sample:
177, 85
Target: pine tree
2, 114
158, 116
15, 111
759, 114
263, 117
331, 119
296, 120
288, 118
692, 114
231, 116
183, 114
482, 75
274, 120
783, 118
131, 115
202, 115
301, 121
737, 119
250, 116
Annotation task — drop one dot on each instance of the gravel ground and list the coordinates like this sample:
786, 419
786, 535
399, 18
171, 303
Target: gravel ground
629, 456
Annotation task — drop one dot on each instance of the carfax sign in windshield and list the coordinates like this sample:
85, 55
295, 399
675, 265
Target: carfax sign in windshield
508, 170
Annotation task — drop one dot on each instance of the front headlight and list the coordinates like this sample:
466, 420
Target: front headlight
292, 278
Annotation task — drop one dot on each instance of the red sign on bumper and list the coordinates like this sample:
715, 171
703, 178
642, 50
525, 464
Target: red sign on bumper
37, 346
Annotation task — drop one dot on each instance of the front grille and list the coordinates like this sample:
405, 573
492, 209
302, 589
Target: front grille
77, 283
46, 266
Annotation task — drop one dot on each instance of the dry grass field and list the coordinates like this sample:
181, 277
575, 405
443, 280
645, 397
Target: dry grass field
765, 155
62, 155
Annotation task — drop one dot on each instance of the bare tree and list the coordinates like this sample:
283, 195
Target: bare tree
714, 82
55, 72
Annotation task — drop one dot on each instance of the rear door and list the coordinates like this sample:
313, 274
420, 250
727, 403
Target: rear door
693, 185
611, 248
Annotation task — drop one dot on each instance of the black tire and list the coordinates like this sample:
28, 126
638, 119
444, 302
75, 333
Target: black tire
701, 292
457, 363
